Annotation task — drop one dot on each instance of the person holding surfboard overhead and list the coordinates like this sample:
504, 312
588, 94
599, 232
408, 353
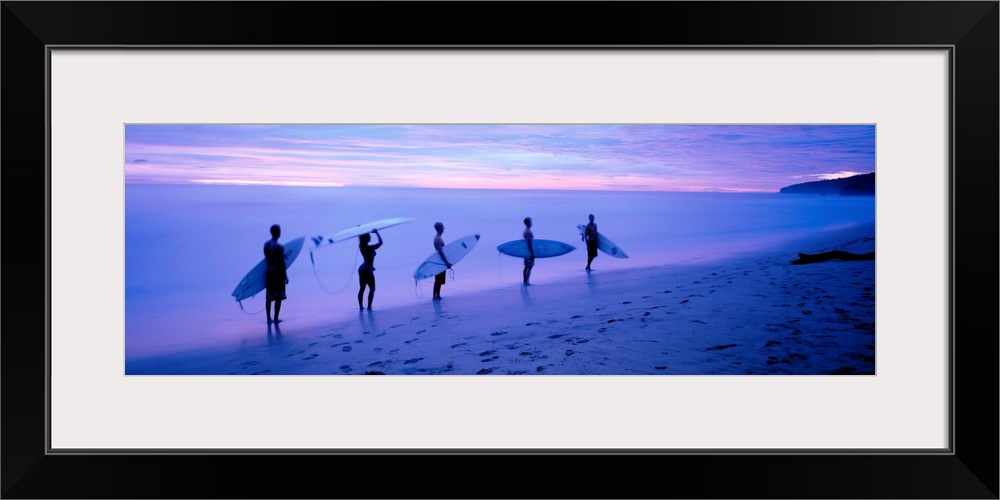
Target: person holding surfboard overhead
590, 238
438, 246
529, 261
276, 276
366, 273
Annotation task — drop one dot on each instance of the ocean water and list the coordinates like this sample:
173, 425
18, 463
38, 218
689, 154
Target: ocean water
187, 246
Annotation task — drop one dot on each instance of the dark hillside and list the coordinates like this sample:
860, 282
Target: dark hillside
858, 185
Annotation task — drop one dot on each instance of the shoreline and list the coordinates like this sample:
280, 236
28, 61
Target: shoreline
748, 315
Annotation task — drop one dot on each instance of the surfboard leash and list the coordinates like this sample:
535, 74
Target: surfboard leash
318, 280
419, 291
244, 310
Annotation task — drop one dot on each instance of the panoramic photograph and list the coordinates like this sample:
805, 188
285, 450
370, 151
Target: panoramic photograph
502, 249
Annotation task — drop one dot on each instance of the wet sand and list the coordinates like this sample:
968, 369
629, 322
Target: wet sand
748, 316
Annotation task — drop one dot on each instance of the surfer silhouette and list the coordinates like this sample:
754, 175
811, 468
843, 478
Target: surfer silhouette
590, 237
366, 273
275, 277
439, 245
529, 262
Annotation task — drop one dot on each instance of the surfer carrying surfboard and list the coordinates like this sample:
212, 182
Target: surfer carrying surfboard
276, 276
529, 261
590, 238
438, 246
366, 273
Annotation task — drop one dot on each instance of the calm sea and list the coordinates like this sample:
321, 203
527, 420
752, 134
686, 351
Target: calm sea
186, 247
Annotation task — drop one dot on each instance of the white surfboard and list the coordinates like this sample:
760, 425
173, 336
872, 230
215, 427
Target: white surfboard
351, 232
605, 245
542, 248
253, 282
454, 251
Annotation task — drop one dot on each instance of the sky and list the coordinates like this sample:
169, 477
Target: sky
698, 158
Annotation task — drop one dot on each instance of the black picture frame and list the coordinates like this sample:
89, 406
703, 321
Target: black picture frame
970, 29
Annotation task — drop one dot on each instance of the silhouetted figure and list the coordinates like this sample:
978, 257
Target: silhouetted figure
275, 277
590, 237
805, 258
529, 262
439, 245
366, 273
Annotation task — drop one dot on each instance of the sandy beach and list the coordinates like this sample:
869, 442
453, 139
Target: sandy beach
746, 316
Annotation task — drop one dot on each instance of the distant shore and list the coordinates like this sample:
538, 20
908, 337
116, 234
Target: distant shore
752, 315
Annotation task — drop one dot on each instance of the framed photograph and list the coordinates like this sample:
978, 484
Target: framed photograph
728, 315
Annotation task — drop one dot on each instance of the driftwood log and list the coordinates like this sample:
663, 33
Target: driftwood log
805, 258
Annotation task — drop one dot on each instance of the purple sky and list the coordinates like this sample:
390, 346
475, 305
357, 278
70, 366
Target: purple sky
737, 158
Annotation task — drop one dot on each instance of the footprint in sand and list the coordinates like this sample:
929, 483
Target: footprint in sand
345, 368
376, 363
486, 353
685, 301
578, 341
484, 371
720, 347
576, 316
395, 326
555, 336
497, 334
570, 352
421, 331
602, 330
647, 313
411, 361
459, 345
312, 344
660, 367
295, 353
772, 343
627, 302
311, 356
377, 349
410, 341
492, 358
698, 321
347, 348
381, 334
340, 344
532, 324
526, 353
394, 351
260, 372
251, 363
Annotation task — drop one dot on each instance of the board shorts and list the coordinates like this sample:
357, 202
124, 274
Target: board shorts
439, 278
591, 248
274, 283
529, 262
